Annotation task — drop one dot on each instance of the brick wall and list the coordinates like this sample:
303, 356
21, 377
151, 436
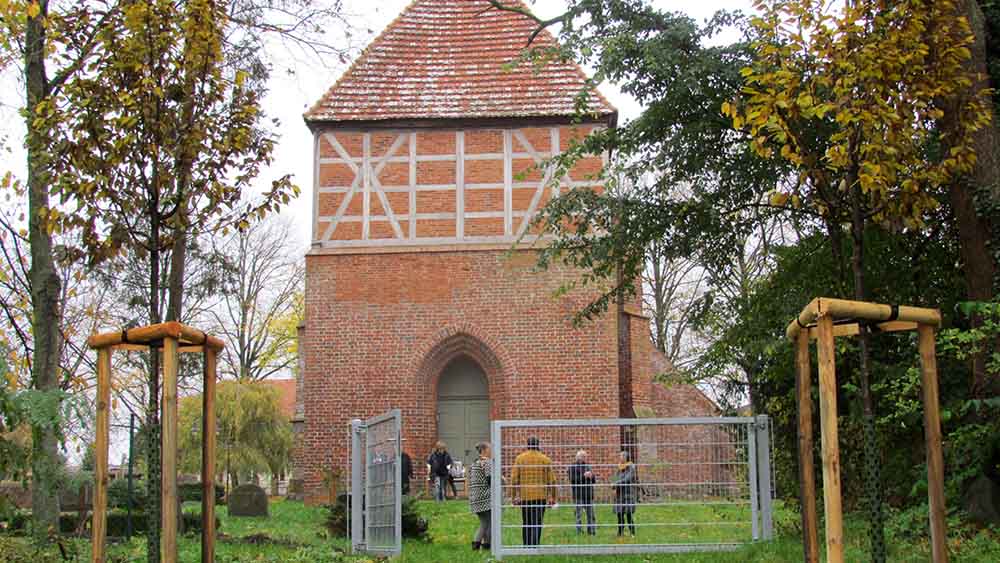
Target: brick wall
381, 327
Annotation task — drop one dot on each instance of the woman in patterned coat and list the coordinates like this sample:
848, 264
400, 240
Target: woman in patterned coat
626, 485
479, 494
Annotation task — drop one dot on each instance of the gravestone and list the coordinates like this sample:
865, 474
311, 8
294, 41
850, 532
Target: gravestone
296, 489
982, 501
248, 500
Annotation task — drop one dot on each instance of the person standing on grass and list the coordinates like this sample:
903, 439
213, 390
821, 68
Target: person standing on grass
581, 480
438, 465
534, 486
478, 487
405, 472
626, 484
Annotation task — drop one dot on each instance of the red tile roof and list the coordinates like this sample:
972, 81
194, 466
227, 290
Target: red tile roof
446, 59
286, 389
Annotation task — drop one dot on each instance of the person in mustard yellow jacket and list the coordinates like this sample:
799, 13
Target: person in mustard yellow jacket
534, 485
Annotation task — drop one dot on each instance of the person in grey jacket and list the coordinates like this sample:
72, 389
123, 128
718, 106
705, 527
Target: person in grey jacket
626, 485
581, 480
479, 494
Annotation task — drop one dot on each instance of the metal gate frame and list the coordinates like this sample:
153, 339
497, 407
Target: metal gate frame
760, 485
369, 479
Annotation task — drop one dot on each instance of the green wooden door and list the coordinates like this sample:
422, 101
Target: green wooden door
461, 424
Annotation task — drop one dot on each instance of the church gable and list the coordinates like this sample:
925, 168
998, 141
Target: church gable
433, 138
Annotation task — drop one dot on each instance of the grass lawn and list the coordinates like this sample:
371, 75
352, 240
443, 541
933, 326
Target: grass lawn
294, 533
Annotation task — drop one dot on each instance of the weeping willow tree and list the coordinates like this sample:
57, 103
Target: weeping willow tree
254, 436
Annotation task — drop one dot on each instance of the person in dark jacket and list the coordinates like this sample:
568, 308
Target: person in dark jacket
626, 484
581, 480
405, 472
438, 467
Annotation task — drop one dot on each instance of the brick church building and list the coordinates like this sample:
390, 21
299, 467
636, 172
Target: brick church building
428, 167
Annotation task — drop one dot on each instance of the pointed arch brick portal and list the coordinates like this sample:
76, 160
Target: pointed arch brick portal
461, 375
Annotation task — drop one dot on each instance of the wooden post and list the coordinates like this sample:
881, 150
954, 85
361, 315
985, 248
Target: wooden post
208, 459
100, 525
831, 449
932, 435
168, 442
807, 474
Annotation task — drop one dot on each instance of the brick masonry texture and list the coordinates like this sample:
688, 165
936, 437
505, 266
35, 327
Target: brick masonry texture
380, 328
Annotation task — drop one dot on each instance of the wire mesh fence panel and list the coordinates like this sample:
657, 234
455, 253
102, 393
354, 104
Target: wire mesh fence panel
629, 485
375, 485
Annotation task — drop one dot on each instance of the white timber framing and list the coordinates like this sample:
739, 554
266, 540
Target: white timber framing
316, 186
413, 185
508, 182
366, 181
367, 169
460, 184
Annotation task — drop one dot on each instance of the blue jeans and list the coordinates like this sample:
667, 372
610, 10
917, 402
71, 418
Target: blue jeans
587, 509
439, 487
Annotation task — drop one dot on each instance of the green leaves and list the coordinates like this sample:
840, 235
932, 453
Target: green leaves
253, 434
885, 75
162, 134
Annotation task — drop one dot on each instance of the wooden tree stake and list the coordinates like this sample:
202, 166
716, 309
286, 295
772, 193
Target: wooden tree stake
208, 459
807, 475
831, 449
99, 522
932, 435
168, 416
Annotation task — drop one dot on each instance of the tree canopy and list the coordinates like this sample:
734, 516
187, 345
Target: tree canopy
254, 436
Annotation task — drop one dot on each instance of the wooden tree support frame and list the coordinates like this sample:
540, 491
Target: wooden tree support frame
823, 320
172, 338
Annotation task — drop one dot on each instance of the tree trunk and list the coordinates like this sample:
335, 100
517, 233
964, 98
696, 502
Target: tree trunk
974, 227
873, 462
45, 287
153, 480
175, 281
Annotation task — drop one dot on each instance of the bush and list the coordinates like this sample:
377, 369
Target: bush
414, 525
118, 494
191, 492
117, 523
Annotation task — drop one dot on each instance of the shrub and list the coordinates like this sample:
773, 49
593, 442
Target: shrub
414, 525
118, 494
191, 492
117, 522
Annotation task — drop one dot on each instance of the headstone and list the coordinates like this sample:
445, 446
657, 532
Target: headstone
248, 500
296, 489
982, 501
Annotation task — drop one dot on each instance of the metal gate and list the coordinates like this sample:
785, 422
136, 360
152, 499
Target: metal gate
376, 490
697, 484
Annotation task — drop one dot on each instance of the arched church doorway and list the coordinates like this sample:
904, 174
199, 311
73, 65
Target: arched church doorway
463, 408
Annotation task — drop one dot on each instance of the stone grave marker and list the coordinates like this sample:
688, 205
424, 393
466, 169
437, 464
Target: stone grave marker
248, 500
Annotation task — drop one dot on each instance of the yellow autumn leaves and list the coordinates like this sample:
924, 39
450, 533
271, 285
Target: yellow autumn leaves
855, 98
